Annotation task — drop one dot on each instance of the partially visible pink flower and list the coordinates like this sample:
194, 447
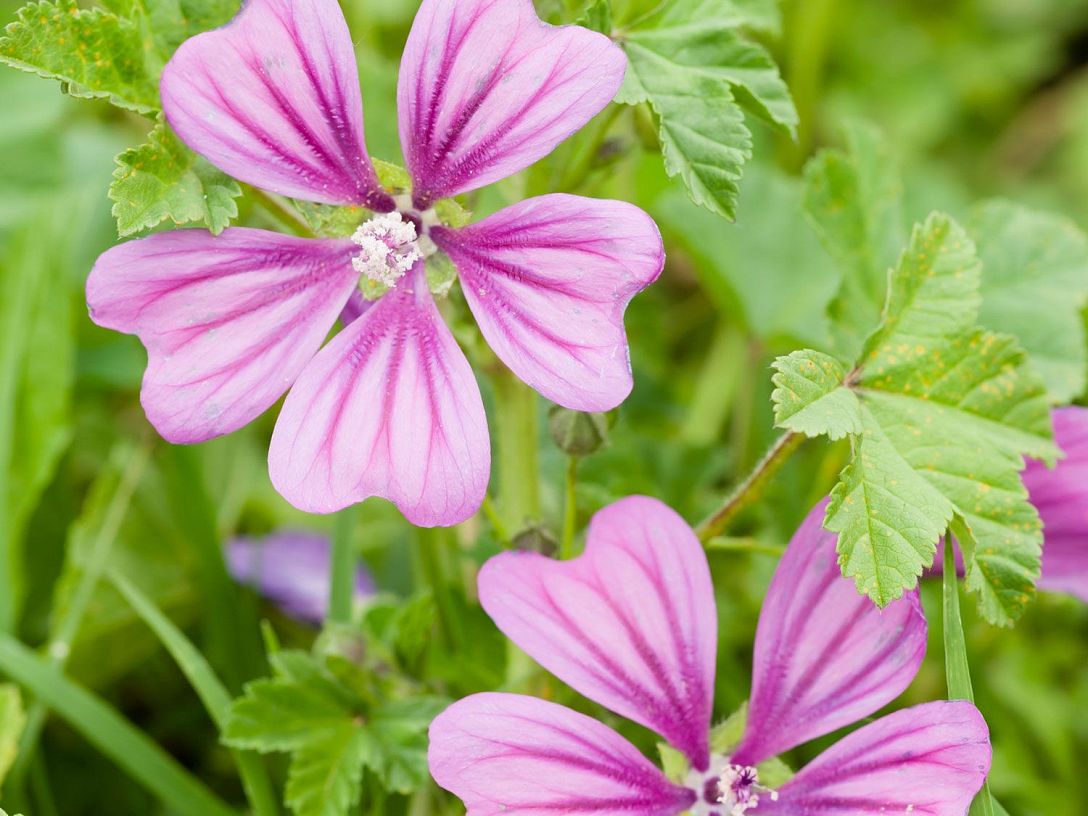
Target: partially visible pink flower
632, 625
389, 407
1060, 494
292, 570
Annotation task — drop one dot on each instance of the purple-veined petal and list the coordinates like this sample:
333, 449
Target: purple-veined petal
929, 760
388, 408
548, 281
292, 570
510, 755
631, 623
272, 98
825, 656
1061, 496
229, 321
486, 89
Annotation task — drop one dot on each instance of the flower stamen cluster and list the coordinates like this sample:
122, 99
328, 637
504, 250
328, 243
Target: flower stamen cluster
388, 248
738, 789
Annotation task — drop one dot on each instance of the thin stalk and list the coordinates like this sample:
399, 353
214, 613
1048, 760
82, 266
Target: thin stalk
429, 544
518, 453
342, 568
726, 544
496, 521
67, 627
750, 489
570, 509
715, 387
809, 27
957, 670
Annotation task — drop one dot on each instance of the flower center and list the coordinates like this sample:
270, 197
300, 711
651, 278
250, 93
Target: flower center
388, 248
735, 792
738, 788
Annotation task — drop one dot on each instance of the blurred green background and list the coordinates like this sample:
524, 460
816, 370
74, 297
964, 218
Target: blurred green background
976, 97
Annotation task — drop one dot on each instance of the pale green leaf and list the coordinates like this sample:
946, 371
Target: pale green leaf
93, 52
598, 16
674, 763
726, 735
12, 720
809, 397
692, 63
326, 772
853, 201
162, 179
1034, 285
396, 734
948, 411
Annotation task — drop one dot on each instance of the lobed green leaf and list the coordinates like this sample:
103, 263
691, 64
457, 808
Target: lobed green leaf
163, 179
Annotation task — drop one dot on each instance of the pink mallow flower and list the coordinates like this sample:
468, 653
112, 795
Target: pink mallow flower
389, 407
632, 625
291, 569
1060, 494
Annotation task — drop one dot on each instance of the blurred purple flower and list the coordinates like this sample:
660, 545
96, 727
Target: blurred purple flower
292, 570
389, 407
1061, 496
632, 625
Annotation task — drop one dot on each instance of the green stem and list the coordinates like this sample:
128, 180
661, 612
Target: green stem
809, 26
496, 521
750, 489
70, 620
429, 545
342, 567
715, 387
518, 454
726, 544
570, 509
957, 670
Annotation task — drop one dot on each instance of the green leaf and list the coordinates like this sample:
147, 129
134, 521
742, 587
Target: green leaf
809, 397
674, 763
1034, 285
693, 65
326, 773
853, 201
12, 720
165, 24
332, 731
396, 736
163, 179
597, 16
286, 712
93, 53
726, 735
947, 412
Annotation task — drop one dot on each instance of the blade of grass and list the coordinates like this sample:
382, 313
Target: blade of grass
110, 733
957, 670
66, 625
213, 694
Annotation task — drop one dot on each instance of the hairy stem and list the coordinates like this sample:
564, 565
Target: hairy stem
750, 489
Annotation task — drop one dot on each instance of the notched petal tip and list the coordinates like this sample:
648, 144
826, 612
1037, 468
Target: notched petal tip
486, 88
549, 280
631, 623
228, 321
389, 408
273, 99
